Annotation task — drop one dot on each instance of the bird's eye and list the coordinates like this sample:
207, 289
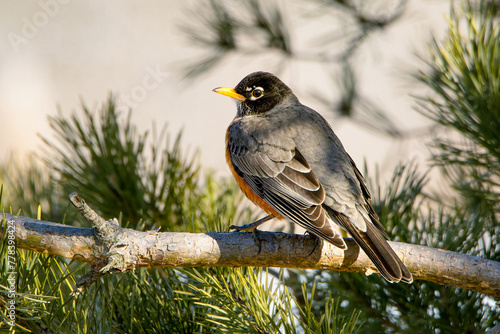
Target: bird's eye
257, 93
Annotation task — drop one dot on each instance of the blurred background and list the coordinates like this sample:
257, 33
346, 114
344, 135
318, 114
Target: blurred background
410, 87
162, 59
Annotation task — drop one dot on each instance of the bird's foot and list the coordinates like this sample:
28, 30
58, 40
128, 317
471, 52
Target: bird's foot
316, 241
252, 227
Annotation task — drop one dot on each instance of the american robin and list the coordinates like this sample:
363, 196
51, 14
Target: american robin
287, 160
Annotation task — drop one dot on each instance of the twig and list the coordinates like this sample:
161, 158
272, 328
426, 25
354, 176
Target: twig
108, 235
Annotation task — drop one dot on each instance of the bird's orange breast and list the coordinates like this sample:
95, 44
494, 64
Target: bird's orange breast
249, 193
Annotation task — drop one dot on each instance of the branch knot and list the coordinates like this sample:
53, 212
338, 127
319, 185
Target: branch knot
111, 245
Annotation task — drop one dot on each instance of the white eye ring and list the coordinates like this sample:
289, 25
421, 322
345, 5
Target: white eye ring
257, 93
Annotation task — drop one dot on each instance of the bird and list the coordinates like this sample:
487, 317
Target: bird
287, 160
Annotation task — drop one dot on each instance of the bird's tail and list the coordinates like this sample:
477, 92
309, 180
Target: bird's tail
376, 247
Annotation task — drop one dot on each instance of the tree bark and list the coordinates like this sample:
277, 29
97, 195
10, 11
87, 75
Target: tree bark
120, 249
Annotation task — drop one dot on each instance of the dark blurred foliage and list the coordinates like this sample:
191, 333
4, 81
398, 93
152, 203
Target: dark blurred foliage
224, 28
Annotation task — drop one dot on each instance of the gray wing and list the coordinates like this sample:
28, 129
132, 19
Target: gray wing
278, 173
347, 196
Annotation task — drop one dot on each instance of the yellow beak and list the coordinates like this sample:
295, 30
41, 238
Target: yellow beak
229, 91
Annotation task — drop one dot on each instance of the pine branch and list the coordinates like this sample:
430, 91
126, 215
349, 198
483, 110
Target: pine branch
109, 248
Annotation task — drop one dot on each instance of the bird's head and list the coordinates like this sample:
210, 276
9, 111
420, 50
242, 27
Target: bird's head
257, 93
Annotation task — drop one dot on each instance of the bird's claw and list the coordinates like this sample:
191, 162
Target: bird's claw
252, 227
316, 241
243, 228
249, 228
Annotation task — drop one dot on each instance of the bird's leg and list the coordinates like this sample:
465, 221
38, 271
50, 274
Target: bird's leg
252, 227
